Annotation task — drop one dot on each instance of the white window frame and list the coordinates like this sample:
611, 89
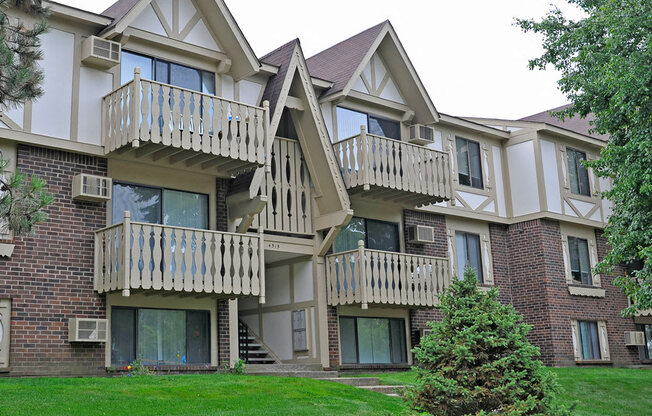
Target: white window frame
479, 228
587, 233
5, 338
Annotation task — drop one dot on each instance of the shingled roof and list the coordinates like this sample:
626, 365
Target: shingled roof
575, 123
118, 10
279, 57
339, 62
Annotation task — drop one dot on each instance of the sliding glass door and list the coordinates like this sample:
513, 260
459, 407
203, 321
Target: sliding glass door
372, 340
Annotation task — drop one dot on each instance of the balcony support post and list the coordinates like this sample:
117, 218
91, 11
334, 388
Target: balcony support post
126, 253
261, 257
134, 109
361, 273
268, 139
364, 164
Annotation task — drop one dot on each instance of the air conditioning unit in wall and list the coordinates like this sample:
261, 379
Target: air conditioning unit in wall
100, 52
420, 134
87, 330
634, 338
421, 234
91, 188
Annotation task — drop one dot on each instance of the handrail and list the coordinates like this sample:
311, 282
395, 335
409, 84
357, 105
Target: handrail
416, 146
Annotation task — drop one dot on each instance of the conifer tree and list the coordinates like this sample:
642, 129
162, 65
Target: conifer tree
478, 361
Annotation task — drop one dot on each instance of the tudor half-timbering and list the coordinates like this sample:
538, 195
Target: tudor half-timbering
212, 205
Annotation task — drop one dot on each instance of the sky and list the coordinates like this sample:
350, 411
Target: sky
470, 56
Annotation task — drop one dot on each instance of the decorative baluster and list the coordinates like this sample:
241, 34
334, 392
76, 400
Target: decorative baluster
157, 257
254, 282
197, 263
405, 293
227, 132
167, 116
157, 118
217, 126
195, 123
187, 260
209, 255
229, 253
137, 256
206, 127
176, 118
220, 253
143, 112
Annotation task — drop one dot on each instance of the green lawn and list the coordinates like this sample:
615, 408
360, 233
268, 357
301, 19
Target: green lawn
596, 391
215, 394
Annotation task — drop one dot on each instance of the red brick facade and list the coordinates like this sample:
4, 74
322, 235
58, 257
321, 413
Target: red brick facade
49, 277
333, 337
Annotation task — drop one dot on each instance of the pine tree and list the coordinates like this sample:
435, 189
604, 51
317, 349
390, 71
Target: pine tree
20, 75
478, 361
22, 199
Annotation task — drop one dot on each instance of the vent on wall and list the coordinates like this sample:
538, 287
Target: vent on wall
91, 188
100, 52
87, 330
421, 234
420, 134
634, 338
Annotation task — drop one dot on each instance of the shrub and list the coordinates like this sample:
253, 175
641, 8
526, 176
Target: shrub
478, 361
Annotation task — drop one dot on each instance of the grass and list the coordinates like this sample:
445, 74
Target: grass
216, 394
595, 391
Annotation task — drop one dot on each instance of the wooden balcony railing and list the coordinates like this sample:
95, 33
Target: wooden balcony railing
365, 276
394, 170
152, 257
150, 112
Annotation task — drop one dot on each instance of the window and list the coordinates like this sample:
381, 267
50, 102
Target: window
468, 163
160, 336
467, 246
372, 340
300, 340
577, 173
5, 331
378, 235
349, 122
647, 348
579, 259
160, 206
589, 340
166, 72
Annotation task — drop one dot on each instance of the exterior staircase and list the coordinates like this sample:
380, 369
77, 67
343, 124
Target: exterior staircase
369, 383
252, 350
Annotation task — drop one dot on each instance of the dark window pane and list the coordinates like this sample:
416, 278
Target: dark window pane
582, 175
382, 235
185, 209
463, 168
648, 340
130, 61
397, 339
462, 253
469, 254
348, 237
475, 259
123, 336
348, 341
162, 336
349, 122
198, 336
476, 169
574, 259
142, 202
578, 176
385, 128
585, 264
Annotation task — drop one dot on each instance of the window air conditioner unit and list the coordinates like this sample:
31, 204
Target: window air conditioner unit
87, 330
420, 134
100, 52
421, 234
91, 188
634, 338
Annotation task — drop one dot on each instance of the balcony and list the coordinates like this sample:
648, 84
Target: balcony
363, 276
393, 170
134, 256
165, 122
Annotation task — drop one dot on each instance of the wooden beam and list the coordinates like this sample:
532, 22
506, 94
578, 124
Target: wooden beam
200, 159
180, 157
294, 103
328, 241
147, 150
165, 152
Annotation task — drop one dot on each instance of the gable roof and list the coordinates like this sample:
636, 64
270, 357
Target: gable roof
279, 57
344, 62
118, 10
339, 62
575, 123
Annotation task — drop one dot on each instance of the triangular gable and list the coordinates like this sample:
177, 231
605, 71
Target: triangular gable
204, 23
293, 79
377, 44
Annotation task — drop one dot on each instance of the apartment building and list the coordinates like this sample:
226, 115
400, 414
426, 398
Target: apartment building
213, 205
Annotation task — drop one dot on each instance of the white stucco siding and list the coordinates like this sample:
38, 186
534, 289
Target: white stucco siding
277, 286
249, 92
551, 176
607, 205
15, 114
500, 184
523, 178
200, 35
93, 85
149, 22
227, 87
303, 282
51, 112
277, 333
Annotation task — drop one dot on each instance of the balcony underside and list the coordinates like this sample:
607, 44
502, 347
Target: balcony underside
186, 159
397, 196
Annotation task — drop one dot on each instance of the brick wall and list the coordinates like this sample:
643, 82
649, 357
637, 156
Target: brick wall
333, 337
223, 338
49, 277
221, 186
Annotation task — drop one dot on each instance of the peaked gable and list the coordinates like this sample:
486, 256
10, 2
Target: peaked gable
204, 23
293, 80
352, 62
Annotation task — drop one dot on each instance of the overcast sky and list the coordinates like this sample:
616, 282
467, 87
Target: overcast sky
468, 53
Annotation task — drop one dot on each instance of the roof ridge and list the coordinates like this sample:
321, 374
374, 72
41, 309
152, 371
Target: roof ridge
349, 38
283, 46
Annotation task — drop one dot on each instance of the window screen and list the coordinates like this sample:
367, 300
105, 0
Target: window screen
378, 235
349, 122
468, 253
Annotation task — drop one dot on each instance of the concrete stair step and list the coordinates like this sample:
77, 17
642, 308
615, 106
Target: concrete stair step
355, 381
303, 374
261, 360
383, 389
284, 367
